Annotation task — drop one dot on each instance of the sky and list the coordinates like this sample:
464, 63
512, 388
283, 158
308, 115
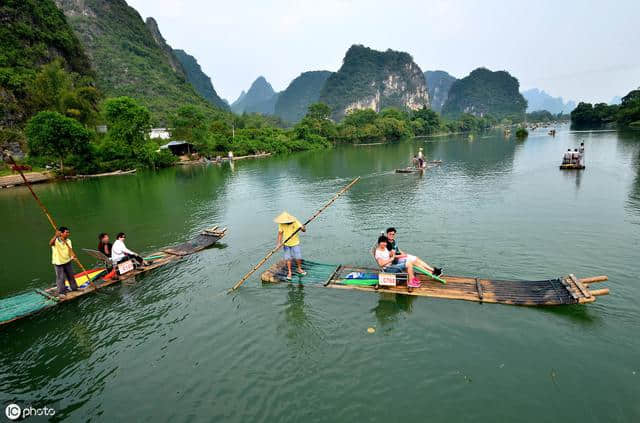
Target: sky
580, 50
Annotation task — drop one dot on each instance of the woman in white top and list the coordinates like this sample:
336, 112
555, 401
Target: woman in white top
385, 258
120, 252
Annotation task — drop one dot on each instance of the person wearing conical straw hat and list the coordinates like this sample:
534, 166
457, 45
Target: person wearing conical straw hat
287, 226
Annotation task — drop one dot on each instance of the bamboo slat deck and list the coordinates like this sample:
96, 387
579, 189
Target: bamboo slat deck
167, 255
551, 292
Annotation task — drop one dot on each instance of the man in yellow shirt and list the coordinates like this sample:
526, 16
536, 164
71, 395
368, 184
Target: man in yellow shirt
61, 257
287, 226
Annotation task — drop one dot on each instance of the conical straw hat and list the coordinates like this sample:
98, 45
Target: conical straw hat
284, 217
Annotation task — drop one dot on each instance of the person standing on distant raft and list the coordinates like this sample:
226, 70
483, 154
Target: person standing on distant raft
581, 151
287, 226
421, 158
61, 256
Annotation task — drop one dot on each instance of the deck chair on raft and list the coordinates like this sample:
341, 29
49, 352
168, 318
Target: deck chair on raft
101, 257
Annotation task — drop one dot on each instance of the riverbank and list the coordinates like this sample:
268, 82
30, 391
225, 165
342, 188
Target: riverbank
10, 181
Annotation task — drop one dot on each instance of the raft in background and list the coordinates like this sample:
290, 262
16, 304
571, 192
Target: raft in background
412, 169
22, 305
551, 292
566, 166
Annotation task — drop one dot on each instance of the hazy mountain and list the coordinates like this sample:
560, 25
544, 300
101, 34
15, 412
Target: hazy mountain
484, 92
260, 98
540, 100
293, 102
375, 80
616, 100
438, 84
200, 81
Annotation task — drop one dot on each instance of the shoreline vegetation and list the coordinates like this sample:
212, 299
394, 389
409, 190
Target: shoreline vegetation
62, 134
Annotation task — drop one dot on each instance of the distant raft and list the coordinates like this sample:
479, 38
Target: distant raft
412, 169
22, 305
571, 166
564, 290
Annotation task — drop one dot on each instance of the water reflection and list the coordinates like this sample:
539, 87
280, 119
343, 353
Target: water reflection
391, 307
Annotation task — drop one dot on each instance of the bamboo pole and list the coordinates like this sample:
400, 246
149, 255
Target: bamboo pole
598, 292
49, 218
594, 279
272, 252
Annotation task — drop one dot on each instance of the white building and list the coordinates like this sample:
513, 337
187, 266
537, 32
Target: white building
162, 133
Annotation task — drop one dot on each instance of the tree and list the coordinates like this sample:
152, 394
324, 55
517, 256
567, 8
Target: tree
51, 134
190, 124
129, 124
67, 93
318, 111
629, 110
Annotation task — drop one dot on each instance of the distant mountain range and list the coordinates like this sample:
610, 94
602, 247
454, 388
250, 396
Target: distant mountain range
370, 79
260, 98
540, 100
107, 40
303, 91
198, 79
438, 83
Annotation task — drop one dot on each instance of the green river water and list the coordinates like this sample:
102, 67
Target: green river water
173, 347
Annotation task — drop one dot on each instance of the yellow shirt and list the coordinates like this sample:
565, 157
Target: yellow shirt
287, 229
60, 253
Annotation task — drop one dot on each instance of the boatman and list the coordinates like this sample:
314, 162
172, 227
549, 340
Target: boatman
61, 256
421, 158
287, 226
581, 151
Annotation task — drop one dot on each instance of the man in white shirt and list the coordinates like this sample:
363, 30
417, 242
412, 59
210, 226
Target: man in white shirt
120, 252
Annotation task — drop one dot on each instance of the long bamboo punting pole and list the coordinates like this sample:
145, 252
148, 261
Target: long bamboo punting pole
49, 218
272, 252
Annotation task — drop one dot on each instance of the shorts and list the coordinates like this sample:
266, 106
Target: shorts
404, 260
293, 252
396, 268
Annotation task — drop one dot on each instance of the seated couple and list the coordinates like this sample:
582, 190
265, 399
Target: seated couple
392, 260
118, 252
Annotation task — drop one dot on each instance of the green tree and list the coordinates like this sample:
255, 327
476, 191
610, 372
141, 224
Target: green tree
629, 110
51, 134
56, 89
190, 124
129, 124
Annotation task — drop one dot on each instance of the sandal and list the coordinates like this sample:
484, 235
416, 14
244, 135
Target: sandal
289, 278
301, 273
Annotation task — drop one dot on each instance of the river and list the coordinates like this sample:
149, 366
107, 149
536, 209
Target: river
174, 347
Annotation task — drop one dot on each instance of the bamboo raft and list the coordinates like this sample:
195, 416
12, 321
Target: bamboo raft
22, 305
564, 290
566, 166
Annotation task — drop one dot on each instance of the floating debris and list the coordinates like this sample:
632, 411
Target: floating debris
371, 330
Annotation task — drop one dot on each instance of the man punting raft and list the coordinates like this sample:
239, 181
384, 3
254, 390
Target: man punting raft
288, 228
61, 256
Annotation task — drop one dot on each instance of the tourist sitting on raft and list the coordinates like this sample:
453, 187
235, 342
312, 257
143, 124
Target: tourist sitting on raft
104, 246
566, 159
120, 253
385, 259
401, 256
